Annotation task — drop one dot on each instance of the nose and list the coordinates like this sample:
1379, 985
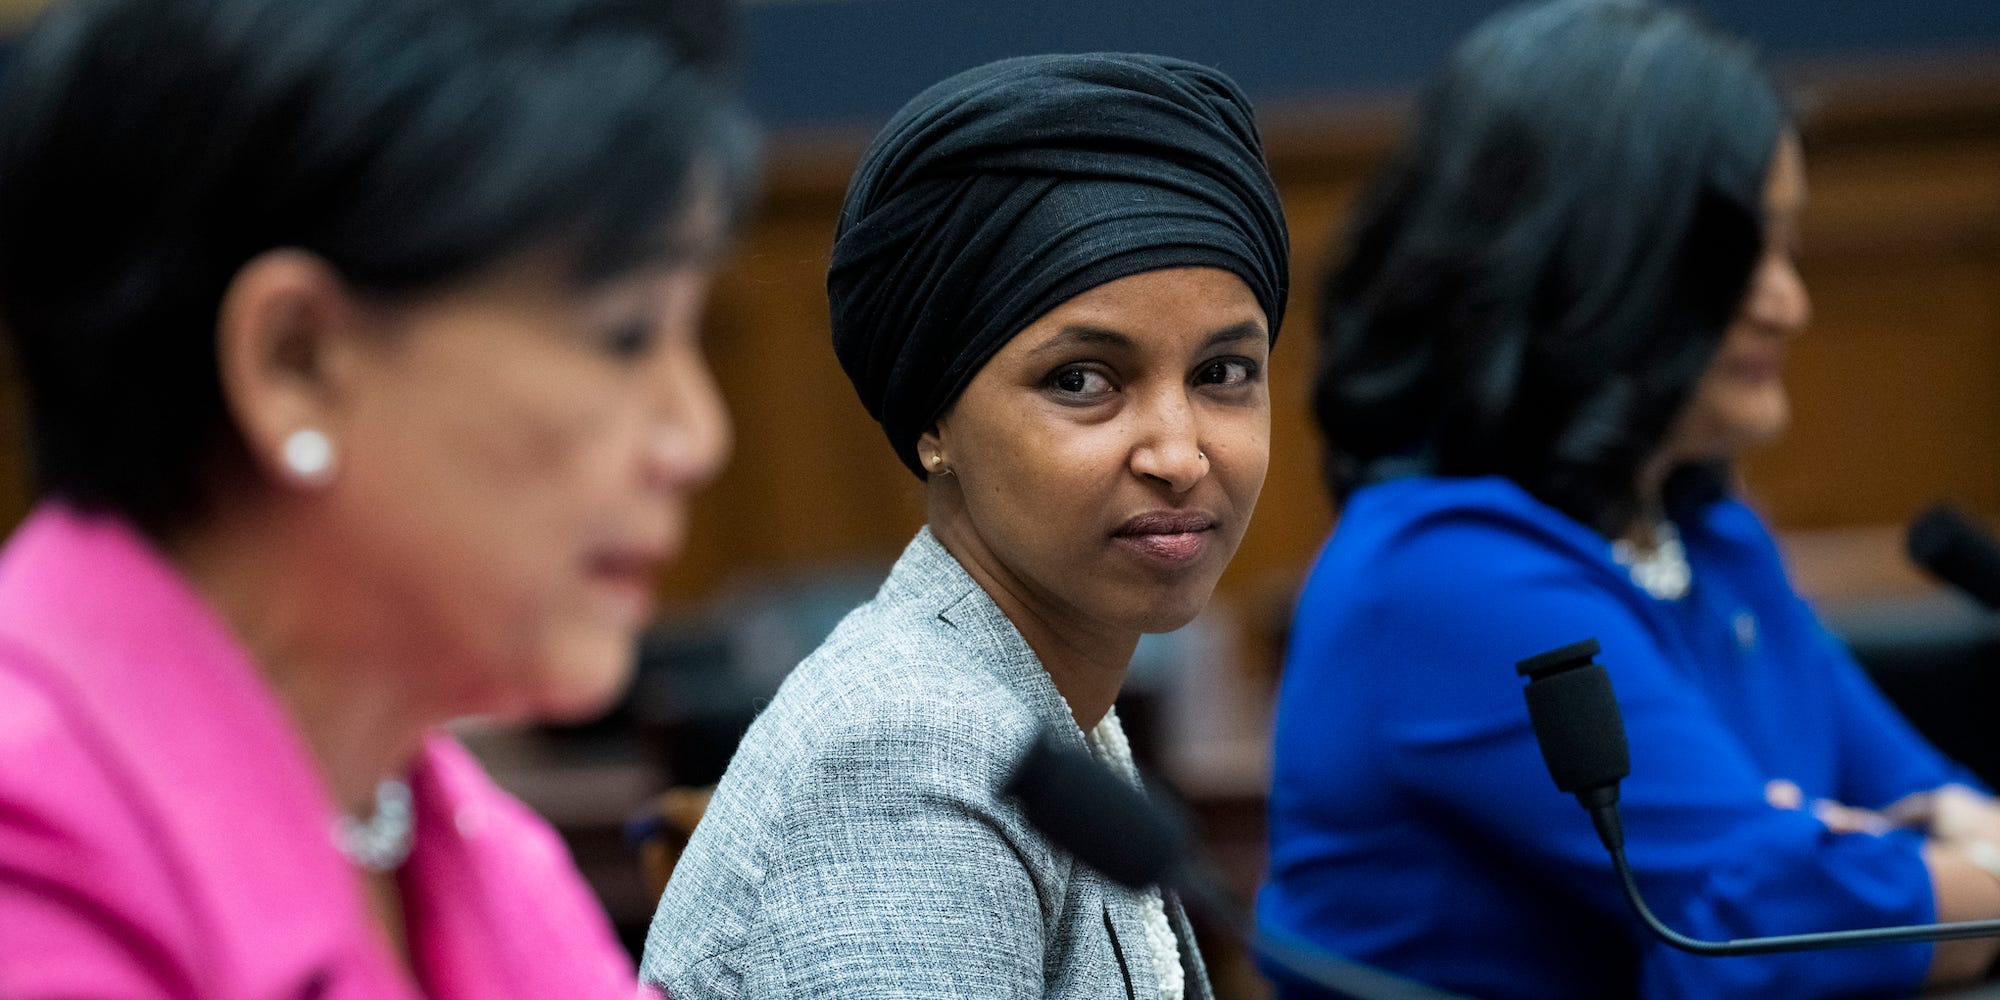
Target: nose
1778, 299
691, 438
1169, 448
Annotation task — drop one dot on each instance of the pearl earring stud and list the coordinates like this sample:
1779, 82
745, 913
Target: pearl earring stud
308, 456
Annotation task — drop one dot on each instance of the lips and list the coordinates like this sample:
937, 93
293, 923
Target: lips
1166, 522
1757, 367
1168, 536
627, 574
631, 565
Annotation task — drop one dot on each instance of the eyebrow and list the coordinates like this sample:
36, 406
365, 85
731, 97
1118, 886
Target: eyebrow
1246, 330
1074, 334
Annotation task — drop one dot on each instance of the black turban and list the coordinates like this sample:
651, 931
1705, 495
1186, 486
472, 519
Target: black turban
1001, 193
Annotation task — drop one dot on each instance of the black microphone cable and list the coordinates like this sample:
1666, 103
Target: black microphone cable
1582, 736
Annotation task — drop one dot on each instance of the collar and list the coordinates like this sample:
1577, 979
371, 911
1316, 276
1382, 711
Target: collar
928, 576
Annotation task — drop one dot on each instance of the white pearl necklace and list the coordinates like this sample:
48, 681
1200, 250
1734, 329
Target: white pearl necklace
1109, 742
1662, 570
382, 842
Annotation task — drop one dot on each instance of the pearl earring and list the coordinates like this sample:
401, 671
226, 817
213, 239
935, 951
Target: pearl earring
309, 456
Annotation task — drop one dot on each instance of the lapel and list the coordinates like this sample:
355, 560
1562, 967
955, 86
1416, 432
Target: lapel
1121, 917
1128, 939
1192, 966
928, 574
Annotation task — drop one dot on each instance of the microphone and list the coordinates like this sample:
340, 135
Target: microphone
1582, 736
1103, 821
1954, 549
1098, 817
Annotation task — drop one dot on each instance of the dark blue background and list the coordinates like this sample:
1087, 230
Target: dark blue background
853, 62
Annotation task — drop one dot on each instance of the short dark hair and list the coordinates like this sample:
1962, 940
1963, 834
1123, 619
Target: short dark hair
150, 149
1540, 276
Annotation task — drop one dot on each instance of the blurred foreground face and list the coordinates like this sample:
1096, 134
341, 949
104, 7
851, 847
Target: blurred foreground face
1111, 453
521, 457
1740, 402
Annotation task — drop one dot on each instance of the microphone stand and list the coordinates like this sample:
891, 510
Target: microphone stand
1911, 934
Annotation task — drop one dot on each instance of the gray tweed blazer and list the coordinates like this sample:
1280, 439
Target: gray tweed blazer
857, 846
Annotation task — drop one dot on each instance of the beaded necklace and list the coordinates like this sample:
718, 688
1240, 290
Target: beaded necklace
380, 843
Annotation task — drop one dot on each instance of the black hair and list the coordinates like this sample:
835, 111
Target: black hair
150, 149
1539, 277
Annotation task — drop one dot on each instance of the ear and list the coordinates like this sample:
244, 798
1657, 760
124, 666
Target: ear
283, 336
931, 450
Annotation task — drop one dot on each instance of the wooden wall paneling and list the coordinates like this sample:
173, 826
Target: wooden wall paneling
1894, 394
811, 480
1896, 386
1896, 383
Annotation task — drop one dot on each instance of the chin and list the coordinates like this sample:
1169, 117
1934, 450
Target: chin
1763, 427
1763, 417
1170, 611
584, 683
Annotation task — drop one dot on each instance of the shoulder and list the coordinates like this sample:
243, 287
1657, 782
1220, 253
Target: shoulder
83, 876
1425, 541
62, 773
928, 652
878, 765
1730, 529
894, 714
1484, 511
905, 692
1459, 578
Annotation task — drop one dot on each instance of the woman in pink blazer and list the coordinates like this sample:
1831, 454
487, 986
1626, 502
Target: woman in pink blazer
360, 339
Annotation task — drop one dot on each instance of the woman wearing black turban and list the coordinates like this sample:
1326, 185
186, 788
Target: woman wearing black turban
1056, 284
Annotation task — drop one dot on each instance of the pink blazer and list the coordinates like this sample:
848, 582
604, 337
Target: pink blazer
163, 832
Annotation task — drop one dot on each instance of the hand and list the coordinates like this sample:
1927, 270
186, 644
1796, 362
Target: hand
1953, 814
1833, 815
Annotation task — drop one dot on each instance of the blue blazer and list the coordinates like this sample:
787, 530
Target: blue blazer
1414, 826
